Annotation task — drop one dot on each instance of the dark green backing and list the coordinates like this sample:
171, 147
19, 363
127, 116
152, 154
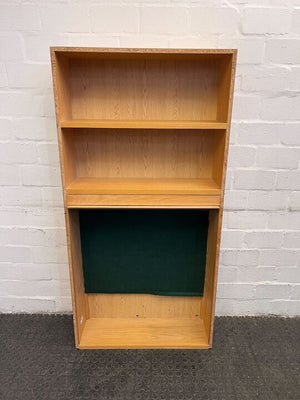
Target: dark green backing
144, 251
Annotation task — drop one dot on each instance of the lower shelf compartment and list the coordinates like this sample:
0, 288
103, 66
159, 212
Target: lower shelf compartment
144, 333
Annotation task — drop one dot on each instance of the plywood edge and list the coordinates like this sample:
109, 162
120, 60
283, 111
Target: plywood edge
90, 201
70, 49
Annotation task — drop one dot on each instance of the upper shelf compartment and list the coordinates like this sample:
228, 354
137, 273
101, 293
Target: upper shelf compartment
157, 88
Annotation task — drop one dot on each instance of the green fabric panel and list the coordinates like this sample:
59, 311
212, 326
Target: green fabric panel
144, 251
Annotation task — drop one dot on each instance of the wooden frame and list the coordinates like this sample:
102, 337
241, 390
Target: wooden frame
143, 128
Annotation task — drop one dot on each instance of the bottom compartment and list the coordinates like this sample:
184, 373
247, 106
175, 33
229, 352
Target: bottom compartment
124, 313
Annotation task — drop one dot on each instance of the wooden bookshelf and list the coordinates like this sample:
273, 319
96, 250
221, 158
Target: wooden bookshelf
142, 128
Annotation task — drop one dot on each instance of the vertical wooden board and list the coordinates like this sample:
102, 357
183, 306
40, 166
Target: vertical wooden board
80, 313
142, 306
215, 225
60, 72
210, 284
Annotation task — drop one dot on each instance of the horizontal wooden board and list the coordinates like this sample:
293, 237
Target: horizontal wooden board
94, 201
145, 333
142, 186
142, 124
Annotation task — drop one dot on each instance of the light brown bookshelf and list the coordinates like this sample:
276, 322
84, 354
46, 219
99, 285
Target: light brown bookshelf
142, 129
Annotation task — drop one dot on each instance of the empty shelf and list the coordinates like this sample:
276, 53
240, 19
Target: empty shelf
145, 333
142, 186
142, 124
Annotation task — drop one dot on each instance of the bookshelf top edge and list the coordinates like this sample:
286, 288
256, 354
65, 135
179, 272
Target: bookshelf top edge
95, 50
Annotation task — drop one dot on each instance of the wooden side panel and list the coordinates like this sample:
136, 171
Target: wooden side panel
215, 225
219, 154
210, 285
142, 306
80, 314
62, 108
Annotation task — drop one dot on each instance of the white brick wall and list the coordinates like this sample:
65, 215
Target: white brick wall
259, 269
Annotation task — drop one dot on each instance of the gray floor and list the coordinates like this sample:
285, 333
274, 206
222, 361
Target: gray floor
252, 358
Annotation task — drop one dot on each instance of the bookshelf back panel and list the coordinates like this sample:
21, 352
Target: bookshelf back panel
143, 88
167, 154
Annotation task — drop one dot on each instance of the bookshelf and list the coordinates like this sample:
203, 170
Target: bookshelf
143, 131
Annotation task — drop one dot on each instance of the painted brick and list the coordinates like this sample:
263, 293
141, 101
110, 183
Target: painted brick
267, 200
265, 79
213, 20
235, 291
25, 304
257, 133
247, 220
260, 20
283, 51
246, 107
284, 220
65, 17
288, 180
114, 19
241, 156
236, 200
273, 291
288, 274
52, 196
296, 21
24, 75
242, 258
40, 176
5, 129
254, 179
291, 240
232, 239
3, 76
163, 20
263, 240
15, 254
250, 50
11, 47
294, 203
19, 17
278, 257
290, 134
10, 175
273, 157
281, 108
21, 196
35, 128
25, 271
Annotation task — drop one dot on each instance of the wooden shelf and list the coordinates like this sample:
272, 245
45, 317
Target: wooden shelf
86, 186
144, 333
94, 192
142, 124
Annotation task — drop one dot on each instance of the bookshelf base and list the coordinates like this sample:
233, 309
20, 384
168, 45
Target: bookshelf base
144, 333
